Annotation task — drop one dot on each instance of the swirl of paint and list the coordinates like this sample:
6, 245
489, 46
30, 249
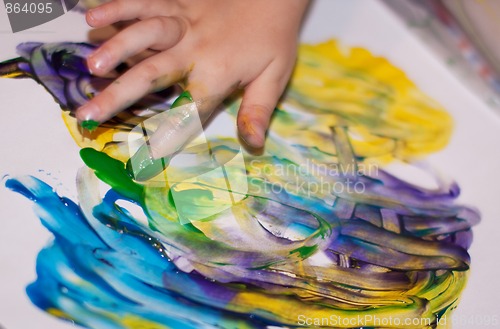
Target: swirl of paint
391, 250
276, 257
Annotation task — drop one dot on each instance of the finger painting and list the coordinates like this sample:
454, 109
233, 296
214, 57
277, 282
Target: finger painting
322, 231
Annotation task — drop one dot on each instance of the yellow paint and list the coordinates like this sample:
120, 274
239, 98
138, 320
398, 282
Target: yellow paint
58, 313
135, 322
290, 311
386, 114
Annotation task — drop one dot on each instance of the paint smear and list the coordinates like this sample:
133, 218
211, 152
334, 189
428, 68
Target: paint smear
324, 237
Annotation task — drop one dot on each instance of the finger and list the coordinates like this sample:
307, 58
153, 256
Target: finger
259, 101
123, 10
180, 125
185, 122
173, 129
155, 73
208, 93
155, 33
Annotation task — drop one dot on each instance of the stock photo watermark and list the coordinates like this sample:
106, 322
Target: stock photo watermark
314, 178
221, 170
370, 320
25, 14
192, 165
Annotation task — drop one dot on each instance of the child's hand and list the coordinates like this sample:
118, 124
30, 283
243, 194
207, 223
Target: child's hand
211, 47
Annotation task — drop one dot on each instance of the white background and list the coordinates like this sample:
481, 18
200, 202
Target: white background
33, 137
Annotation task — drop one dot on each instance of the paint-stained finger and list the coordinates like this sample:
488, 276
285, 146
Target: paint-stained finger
172, 130
184, 122
157, 72
258, 104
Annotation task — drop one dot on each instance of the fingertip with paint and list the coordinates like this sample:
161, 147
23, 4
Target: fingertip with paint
89, 125
143, 166
183, 99
253, 140
251, 133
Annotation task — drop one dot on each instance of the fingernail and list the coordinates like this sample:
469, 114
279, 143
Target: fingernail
254, 135
98, 61
87, 112
95, 15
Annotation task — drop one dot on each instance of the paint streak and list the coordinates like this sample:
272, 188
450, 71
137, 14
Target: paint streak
315, 236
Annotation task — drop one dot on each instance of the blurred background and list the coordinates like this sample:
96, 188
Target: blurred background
463, 34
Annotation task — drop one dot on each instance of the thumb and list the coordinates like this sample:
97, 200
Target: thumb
258, 104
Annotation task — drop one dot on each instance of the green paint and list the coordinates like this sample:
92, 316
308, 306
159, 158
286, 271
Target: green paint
183, 99
142, 166
112, 172
305, 251
90, 125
